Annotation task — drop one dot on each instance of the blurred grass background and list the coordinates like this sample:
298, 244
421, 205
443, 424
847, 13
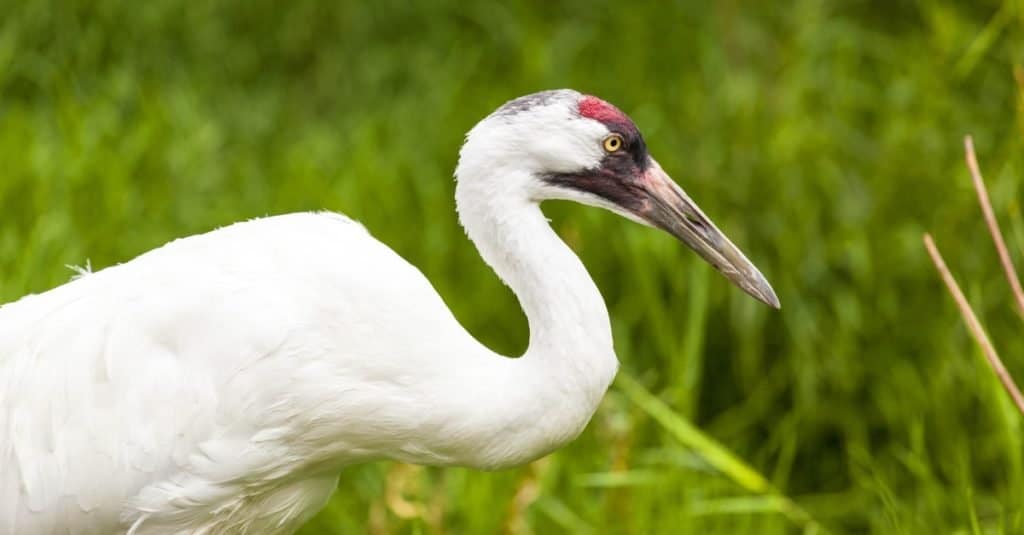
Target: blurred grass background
823, 137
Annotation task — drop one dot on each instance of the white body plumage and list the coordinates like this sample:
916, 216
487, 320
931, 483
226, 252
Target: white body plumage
204, 374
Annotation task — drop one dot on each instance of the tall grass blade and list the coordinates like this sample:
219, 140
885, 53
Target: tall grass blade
716, 455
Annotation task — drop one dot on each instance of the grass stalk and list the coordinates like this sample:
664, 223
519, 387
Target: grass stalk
993, 224
970, 318
977, 331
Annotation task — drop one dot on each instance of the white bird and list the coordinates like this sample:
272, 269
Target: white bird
220, 383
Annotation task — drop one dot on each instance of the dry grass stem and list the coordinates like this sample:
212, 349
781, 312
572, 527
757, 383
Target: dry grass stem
993, 224
974, 325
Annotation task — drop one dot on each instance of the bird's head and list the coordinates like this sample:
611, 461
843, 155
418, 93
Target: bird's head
565, 145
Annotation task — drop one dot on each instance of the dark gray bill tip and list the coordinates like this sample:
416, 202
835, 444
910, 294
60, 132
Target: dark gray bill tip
731, 263
759, 289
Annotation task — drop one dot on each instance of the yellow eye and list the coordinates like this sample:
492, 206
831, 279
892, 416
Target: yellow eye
613, 143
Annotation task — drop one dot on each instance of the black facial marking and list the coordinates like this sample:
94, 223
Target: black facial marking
616, 180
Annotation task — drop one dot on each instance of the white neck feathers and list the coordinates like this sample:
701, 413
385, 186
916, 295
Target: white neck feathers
570, 334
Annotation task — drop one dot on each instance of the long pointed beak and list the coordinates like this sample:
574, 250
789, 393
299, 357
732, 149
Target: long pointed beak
669, 208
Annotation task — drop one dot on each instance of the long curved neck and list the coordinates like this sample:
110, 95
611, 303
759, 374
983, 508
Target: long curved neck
570, 351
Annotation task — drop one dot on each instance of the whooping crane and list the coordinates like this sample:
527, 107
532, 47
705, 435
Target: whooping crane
220, 383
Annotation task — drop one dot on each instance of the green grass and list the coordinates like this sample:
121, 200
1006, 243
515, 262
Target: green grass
823, 137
